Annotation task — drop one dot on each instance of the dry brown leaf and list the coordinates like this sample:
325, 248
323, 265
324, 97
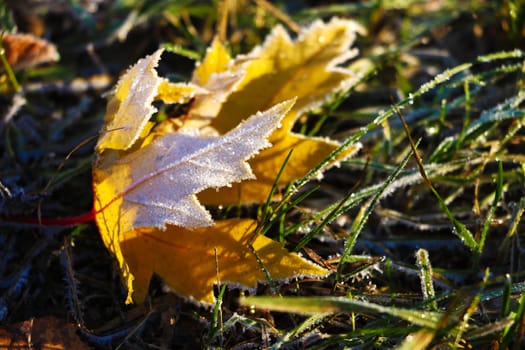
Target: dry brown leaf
26, 50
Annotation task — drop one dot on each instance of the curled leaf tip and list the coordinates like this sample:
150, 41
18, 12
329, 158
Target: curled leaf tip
130, 105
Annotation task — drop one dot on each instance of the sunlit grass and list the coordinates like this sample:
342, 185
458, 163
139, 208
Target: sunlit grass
425, 251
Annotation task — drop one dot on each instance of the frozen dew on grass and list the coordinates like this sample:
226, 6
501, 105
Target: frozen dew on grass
462, 170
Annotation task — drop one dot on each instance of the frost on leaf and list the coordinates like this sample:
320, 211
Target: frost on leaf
155, 185
129, 107
308, 68
149, 180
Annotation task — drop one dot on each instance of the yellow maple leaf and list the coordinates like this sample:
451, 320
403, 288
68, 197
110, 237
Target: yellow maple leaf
146, 180
191, 261
155, 185
144, 194
282, 68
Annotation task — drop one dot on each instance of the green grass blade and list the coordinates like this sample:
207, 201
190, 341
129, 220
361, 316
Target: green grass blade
410, 177
265, 220
305, 327
216, 326
377, 122
517, 330
425, 274
505, 302
517, 218
182, 51
331, 216
470, 310
461, 230
492, 211
315, 305
364, 213
507, 110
